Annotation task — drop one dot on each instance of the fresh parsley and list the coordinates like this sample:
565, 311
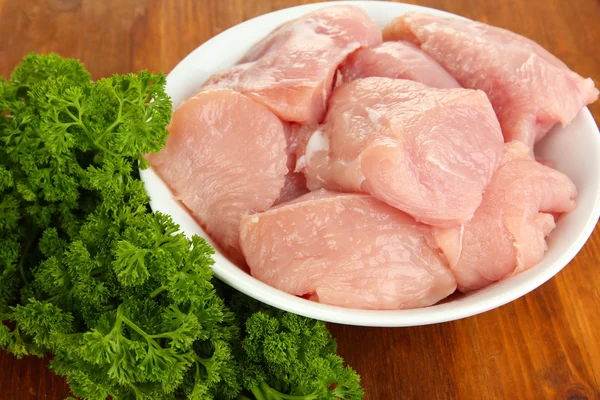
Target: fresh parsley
126, 304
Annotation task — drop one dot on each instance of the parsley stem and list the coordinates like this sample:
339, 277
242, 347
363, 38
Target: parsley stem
158, 291
136, 328
98, 272
22, 271
30, 240
272, 393
258, 393
116, 122
76, 120
110, 128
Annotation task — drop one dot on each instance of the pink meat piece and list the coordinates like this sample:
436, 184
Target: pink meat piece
295, 182
507, 234
291, 71
426, 151
400, 59
294, 186
231, 78
225, 157
348, 250
531, 90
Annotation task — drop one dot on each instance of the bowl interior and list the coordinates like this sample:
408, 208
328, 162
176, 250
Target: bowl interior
575, 149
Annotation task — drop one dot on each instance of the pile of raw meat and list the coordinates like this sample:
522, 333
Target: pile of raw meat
377, 170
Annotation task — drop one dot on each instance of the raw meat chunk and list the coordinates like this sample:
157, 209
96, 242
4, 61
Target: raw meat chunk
295, 182
399, 59
292, 70
348, 250
531, 90
428, 152
294, 186
225, 157
507, 234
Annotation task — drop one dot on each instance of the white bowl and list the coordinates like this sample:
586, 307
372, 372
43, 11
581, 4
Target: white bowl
575, 149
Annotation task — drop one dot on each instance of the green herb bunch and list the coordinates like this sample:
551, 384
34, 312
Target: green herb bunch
126, 304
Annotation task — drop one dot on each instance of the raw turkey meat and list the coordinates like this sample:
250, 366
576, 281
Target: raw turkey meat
428, 152
225, 157
295, 182
292, 70
531, 90
348, 250
294, 186
507, 234
397, 59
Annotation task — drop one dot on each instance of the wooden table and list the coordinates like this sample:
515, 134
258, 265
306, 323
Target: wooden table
544, 345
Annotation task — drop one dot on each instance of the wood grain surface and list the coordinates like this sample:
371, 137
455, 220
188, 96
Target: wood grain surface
545, 345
